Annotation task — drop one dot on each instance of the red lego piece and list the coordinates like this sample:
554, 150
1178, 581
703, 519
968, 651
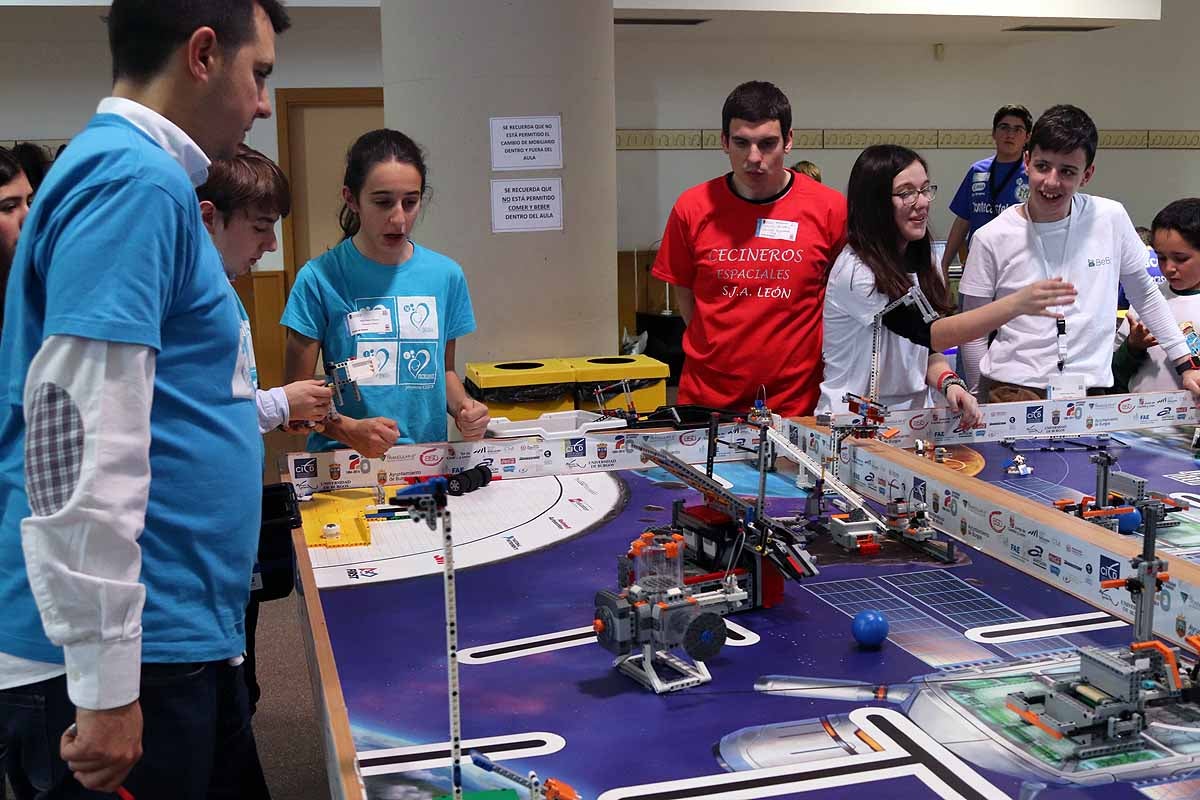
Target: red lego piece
772, 585
708, 515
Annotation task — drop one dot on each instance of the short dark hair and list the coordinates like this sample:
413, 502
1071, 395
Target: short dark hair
871, 227
34, 160
1182, 216
10, 168
1064, 129
376, 147
247, 182
1013, 111
757, 101
142, 34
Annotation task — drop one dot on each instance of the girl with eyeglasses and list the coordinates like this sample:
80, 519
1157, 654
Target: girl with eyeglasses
888, 251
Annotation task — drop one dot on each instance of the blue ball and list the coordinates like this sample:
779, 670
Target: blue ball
1129, 522
870, 628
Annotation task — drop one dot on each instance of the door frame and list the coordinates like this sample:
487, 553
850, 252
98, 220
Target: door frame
288, 100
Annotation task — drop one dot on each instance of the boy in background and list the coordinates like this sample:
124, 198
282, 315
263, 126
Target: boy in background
1139, 364
993, 184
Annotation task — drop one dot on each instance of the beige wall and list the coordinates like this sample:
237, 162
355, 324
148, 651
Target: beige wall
545, 293
54, 68
1141, 75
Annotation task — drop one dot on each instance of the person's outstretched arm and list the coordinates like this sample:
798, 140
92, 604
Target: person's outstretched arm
1037, 299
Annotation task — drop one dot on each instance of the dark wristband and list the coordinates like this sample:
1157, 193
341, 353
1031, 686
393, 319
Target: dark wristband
1191, 363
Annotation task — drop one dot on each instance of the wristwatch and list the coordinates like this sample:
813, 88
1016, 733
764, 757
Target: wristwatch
1191, 363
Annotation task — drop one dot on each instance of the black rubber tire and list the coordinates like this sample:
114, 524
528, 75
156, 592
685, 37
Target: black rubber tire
705, 636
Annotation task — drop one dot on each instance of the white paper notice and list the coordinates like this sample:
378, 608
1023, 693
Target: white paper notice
526, 143
523, 204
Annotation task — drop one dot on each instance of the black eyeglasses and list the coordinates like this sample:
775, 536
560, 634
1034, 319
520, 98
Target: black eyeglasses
1004, 127
909, 196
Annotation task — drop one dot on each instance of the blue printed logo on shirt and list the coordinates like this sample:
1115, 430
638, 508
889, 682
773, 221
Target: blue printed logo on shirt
418, 365
418, 317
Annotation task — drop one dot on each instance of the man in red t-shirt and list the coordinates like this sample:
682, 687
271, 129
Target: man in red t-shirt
748, 254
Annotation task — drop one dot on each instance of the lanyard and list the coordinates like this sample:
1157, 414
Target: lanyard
1060, 324
995, 191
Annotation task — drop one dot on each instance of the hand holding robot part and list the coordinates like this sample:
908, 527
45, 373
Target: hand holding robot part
308, 401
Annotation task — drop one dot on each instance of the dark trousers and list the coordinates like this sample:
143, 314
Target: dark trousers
250, 666
197, 741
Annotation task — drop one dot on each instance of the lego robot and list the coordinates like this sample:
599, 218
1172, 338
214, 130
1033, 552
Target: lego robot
659, 629
1100, 711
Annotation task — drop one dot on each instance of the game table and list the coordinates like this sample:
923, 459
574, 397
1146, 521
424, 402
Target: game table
795, 705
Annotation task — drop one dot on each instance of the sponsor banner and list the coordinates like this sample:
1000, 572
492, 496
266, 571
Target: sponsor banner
1053, 555
509, 458
816, 444
1086, 417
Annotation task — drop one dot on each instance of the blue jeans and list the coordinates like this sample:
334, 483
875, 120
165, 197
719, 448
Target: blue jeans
197, 741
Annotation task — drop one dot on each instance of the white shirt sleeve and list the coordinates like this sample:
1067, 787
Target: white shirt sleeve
977, 288
1144, 295
981, 271
273, 408
851, 289
87, 474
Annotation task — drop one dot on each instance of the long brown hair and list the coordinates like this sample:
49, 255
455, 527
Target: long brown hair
872, 231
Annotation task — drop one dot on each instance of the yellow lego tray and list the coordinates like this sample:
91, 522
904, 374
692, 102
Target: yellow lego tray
347, 508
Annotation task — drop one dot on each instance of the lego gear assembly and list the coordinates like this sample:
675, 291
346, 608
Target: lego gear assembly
656, 615
1101, 710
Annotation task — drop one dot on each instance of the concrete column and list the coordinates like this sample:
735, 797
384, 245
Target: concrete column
449, 65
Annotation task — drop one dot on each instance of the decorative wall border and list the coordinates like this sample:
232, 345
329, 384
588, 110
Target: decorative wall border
920, 138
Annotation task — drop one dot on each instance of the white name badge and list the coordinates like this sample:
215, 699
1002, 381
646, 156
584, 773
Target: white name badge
1066, 387
359, 369
369, 320
777, 229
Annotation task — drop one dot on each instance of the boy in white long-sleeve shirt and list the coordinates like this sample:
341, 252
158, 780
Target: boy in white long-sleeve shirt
240, 203
1086, 240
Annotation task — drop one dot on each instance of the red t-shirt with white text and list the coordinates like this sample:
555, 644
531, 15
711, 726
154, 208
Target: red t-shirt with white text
758, 271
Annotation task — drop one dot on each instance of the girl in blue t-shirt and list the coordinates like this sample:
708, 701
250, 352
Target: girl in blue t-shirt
380, 295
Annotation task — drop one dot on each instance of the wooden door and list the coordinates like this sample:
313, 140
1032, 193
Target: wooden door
316, 128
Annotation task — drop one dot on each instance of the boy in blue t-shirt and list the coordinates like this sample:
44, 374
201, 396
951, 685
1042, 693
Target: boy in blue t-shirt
992, 184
